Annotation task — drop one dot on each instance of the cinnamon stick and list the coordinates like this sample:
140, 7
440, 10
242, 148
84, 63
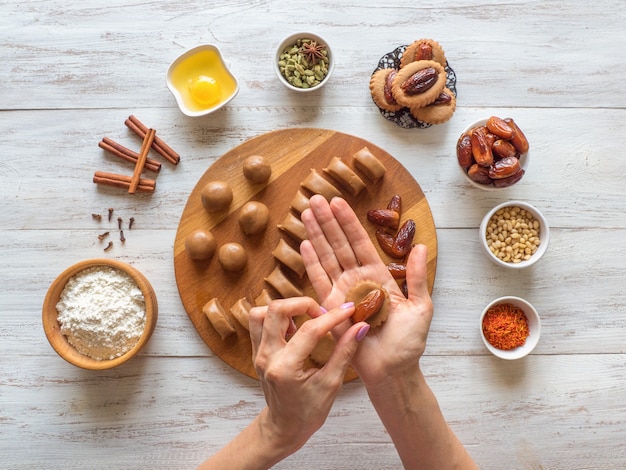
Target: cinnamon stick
122, 181
158, 145
127, 154
141, 161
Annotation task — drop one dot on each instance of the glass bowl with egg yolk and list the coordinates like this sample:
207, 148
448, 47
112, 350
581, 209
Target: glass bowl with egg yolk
201, 81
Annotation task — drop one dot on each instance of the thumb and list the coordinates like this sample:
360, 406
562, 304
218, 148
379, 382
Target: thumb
416, 272
345, 349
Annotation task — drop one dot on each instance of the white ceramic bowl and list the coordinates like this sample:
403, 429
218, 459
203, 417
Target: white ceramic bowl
290, 40
534, 328
201, 61
544, 235
523, 160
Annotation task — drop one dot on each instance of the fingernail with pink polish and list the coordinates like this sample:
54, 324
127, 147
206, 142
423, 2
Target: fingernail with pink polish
323, 310
347, 305
362, 332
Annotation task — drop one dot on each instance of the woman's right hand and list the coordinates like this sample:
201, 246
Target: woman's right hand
338, 254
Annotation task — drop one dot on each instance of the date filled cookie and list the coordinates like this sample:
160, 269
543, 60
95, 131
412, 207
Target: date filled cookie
423, 49
439, 111
380, 88
419, 83
360, 291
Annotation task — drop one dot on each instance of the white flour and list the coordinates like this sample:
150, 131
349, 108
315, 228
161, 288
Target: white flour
102, 312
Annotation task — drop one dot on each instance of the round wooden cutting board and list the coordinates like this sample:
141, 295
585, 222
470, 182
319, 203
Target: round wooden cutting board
292, 154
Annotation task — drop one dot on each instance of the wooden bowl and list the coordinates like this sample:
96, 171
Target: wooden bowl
52, 328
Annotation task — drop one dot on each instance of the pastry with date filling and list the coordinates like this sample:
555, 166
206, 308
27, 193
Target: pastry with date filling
219, 318
419, 83
344, 175
289, 257
366, 162
293, 227
316, 184
264, 298
423, 49
300, 202
380, 89
241, 312
439, 111
369, 298
282, 284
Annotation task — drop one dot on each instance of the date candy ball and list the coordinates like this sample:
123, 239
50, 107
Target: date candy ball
257, 169
233, 257
253, 217
216, 196
200, 244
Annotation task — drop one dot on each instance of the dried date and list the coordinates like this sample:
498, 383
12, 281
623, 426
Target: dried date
504, 168
397, 270
395, 204
479, 174
499, 127
389, 98
369, 306
384, 218
421, 81
481, 150
511, 180
503, 148
519, 140
464, 151
424, 52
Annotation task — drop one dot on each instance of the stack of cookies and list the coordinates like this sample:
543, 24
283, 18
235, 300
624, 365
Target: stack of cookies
418, 85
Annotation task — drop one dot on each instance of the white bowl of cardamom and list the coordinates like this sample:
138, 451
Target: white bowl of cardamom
99, 313
304, 62
514, 234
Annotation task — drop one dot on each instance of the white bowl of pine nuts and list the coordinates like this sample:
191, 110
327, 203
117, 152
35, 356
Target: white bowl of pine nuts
514, 234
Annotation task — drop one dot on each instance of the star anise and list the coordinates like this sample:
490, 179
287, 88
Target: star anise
312, 51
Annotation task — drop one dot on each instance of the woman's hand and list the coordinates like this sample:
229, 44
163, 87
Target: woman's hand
298, 399
338, 254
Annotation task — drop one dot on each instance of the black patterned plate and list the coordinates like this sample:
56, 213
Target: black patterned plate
403, 117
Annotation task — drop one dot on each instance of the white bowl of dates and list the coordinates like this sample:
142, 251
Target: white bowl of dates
304, 62
492, 153
514, 234
510, 327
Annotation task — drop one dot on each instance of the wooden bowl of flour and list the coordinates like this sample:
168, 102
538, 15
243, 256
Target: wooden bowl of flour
99, 313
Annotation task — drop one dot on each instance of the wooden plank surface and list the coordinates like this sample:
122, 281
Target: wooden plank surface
72, 72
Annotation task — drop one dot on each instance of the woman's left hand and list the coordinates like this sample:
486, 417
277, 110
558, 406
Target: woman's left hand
298, 399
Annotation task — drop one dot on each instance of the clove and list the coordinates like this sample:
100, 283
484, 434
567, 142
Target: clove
109, 246
122, 238
131, 221
110, 213
97, 217
119, 223
102, 236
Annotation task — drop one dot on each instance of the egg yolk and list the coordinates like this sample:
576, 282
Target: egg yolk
205, 90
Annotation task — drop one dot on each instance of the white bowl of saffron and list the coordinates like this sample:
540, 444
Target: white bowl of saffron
510, 327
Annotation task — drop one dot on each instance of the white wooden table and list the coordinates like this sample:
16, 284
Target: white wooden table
72, 71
